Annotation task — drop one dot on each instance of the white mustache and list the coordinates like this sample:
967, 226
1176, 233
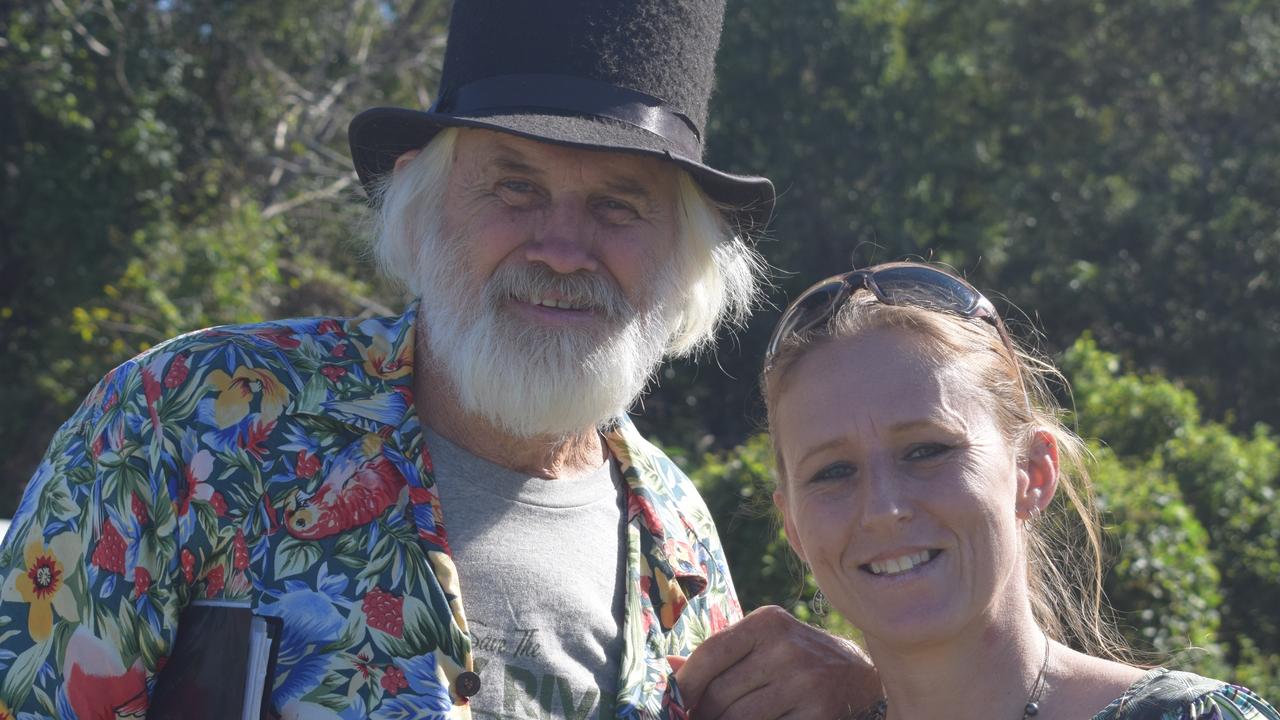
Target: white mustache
592, 291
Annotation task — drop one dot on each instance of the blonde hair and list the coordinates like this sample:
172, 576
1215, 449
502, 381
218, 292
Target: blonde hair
718, 274
1064, 547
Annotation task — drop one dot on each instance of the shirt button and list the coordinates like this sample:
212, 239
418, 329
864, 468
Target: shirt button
466, 684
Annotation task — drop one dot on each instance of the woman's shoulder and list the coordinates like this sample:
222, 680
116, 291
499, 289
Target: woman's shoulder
1163, 694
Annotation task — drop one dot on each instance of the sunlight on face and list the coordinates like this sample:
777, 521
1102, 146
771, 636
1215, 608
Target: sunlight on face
547, 283
900, 488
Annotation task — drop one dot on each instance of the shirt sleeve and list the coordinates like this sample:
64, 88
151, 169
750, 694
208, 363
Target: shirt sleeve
1231, 702
88, 606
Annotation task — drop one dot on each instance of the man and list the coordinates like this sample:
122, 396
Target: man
553, 218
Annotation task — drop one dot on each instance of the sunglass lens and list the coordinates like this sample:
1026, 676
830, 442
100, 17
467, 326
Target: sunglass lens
926, 287
812, 308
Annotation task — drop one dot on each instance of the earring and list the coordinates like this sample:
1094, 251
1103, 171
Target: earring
818, 604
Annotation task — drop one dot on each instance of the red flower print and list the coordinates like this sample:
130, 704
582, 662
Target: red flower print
217, 579
255, 436
405, 393
717, 620
219, 503
188, 565
637, 505
109, 554
151, 391
307, 464
177, 372
393, 680
46, 577
280, 337
193, 484
141, 581
139, 509
333, 372
384, 611
98, 444
339, 350
97, 683
240, 552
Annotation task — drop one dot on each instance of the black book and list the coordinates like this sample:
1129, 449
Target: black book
221, 666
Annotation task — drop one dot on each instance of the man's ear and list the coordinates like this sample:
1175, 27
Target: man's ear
405, 157
1037, 474
793, 538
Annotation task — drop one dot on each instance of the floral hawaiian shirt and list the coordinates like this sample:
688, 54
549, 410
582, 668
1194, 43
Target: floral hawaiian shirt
1163, 694
283, 465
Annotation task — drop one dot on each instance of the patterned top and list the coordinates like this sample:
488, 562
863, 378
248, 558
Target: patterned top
282, 464
1170, 695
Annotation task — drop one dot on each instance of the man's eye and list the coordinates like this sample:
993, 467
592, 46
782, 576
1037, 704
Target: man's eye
615, 211
519, 193
835, 471
926, 451
517, 186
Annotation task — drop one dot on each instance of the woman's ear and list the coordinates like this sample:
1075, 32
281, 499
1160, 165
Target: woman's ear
793, 538
1037, 474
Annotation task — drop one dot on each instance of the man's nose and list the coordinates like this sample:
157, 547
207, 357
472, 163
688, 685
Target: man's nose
564, 240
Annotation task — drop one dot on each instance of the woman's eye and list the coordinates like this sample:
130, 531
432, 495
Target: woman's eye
834, 471
926, 451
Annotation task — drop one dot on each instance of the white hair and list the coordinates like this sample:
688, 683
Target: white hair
534, 381
719, 275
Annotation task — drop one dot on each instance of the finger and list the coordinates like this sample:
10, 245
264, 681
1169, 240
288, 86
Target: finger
713, 658
736, 694
676, 662
720, 652
767, 702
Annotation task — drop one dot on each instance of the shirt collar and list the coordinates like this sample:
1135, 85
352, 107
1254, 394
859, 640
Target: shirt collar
657, 502
378, 352
381, 351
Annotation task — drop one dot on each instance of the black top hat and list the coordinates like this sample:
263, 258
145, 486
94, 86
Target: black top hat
624, 75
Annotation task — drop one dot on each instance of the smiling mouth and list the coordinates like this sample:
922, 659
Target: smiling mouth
900, 565
556, 304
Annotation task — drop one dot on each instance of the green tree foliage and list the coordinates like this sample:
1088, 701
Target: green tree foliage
1107, 166
1170, 456
173, 165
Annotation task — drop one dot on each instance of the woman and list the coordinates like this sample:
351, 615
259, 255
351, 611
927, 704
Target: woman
918, 451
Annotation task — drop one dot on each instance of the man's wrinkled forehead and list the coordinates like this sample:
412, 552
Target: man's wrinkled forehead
628, 174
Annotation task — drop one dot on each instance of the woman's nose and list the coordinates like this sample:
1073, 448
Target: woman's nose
885, 500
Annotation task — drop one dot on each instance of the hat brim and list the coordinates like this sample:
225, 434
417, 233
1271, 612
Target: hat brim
380, 135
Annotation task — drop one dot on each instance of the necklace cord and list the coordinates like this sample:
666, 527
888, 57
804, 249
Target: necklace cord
880, 710
1037, 688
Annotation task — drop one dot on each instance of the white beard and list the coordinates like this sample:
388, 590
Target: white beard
538, 381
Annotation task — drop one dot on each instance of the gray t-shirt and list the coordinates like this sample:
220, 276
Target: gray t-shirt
541, 565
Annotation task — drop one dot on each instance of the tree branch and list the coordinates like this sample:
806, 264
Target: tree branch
331, 190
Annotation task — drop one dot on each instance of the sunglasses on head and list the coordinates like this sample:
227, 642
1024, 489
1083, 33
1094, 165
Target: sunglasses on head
907, 284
